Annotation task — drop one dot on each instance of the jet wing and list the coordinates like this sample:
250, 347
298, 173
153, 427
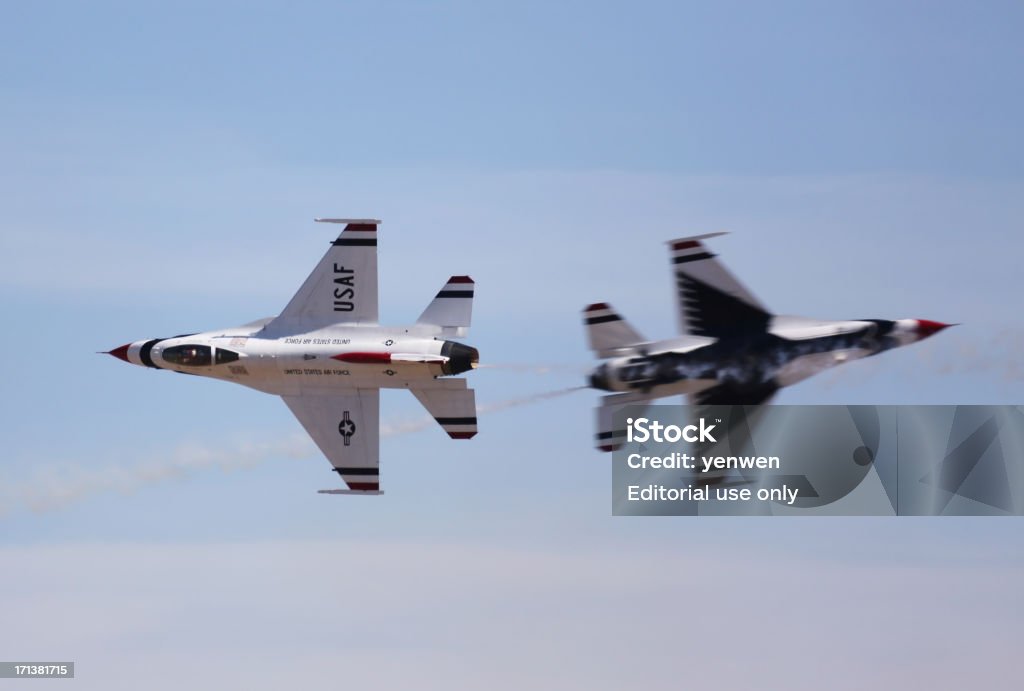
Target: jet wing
343, 287
701, 404
346, 427
733, 394
710, 301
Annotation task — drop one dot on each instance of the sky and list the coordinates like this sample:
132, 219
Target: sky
160, 169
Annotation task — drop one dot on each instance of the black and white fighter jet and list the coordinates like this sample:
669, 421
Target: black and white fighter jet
732, 351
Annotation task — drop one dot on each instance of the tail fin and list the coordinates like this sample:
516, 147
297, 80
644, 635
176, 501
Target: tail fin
608, 333
452, 308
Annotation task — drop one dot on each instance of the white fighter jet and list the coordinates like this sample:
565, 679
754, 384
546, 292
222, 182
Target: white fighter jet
328, 358
732, 351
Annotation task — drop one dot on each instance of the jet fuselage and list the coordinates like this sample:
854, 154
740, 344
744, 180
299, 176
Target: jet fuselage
294, 363
791, 350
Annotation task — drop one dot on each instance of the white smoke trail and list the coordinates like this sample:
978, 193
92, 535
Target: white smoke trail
54, 486
534, 368
527, 400
395, 429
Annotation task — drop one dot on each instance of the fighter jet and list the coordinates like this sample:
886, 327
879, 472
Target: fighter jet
328, 358
732, 351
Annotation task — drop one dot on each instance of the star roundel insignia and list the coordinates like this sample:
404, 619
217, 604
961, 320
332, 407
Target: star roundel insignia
389, 342
347, 428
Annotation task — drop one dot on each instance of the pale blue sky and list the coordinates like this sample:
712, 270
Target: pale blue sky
160, 170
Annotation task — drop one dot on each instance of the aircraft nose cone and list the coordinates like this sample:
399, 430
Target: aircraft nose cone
926, 327
121, 352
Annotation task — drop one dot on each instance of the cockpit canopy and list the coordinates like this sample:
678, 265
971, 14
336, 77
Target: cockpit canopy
222, 355
194, 355
189, 355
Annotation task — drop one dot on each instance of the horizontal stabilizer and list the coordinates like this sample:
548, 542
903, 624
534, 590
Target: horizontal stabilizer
607, 333
608, 437
453, 406
452, 307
